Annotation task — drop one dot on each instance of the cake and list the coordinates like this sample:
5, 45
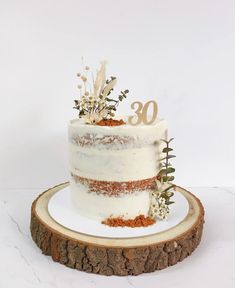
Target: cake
116, 162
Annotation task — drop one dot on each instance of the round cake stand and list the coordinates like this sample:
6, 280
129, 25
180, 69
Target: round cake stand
116, 256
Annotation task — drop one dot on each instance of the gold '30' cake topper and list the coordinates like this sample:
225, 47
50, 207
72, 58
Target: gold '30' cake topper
141, 112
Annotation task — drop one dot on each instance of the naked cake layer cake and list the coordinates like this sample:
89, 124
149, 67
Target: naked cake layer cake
119, 166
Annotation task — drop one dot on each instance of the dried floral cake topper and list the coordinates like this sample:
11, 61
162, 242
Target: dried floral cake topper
161, 197
94, 103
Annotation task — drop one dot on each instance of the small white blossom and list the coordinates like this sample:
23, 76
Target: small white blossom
158, 207
84, 79
92, 118
161, 201
163, 211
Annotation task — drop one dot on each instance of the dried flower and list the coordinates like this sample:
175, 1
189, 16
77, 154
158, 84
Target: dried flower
163, 212
96, 105
84, 79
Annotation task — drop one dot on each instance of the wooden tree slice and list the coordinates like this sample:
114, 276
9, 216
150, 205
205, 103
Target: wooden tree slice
121, 256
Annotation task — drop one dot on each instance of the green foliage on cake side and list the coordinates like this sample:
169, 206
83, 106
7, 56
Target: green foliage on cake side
161, 197
166, 165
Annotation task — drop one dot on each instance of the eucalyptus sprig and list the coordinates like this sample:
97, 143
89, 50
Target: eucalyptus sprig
167, 193
161, 197
167, 167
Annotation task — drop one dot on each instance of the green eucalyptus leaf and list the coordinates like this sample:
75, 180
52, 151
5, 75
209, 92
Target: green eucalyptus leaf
170, 170
167, 141
162, 172
167, 149
167, 171
164, 140
169, 202
168, 178
81, 113
111, 107
168, 188
110, 100
168, 157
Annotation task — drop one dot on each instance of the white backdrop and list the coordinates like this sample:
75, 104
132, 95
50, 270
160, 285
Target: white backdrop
180, 53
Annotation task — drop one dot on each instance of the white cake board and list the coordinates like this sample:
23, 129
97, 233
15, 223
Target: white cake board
61, 209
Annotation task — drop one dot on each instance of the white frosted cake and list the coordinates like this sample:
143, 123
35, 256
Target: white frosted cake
113, 168
120, 169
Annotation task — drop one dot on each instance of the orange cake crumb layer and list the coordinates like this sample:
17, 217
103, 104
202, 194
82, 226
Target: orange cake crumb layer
110, 122
139, 221
116, 188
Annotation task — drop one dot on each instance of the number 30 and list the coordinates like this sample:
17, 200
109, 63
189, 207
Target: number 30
142, 113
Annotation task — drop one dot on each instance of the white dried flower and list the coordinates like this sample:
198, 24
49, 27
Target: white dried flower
163, 211
84, 79
92, 118
158, 207
100, 79
161, 201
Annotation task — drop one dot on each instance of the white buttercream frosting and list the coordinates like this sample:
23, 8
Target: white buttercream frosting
114, 165
153, 131
100, 207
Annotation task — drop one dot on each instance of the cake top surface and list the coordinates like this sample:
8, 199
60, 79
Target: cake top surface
80, 122
153, 130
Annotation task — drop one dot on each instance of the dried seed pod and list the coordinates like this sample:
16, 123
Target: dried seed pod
84, 79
